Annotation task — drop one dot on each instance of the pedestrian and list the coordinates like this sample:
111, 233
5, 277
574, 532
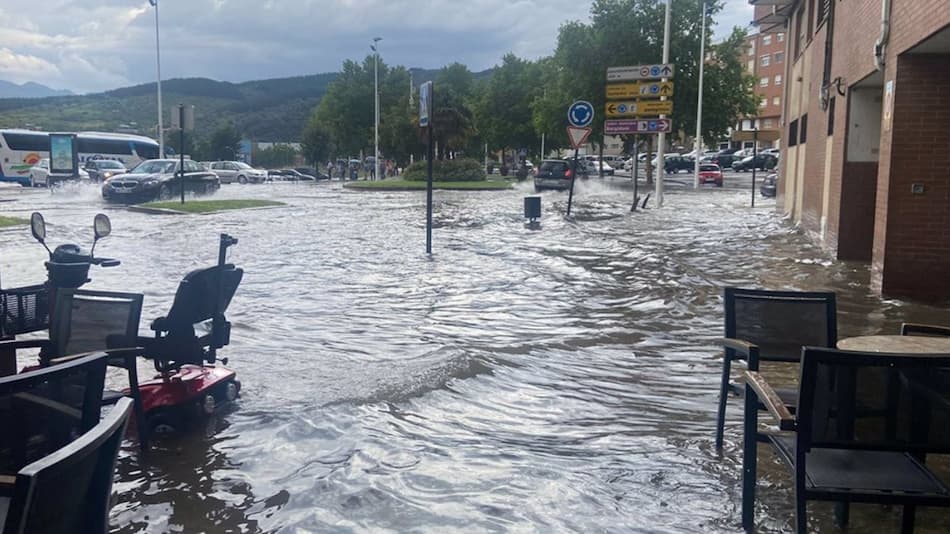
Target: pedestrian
329, 169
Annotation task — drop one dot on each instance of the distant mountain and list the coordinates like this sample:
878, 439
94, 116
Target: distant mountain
273, 110
29, 90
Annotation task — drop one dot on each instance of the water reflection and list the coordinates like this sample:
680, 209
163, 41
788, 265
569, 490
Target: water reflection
553, 379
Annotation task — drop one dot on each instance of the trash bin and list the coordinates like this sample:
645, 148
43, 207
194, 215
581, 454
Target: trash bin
532, 208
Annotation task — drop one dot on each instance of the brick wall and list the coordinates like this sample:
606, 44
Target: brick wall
912, 248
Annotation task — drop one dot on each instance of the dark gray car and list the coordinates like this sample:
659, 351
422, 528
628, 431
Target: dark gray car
554, 174
158, 179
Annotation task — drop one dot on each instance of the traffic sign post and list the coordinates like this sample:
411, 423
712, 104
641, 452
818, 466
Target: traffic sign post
638, 108
639, 89
426, 95
637, 126
640, 72
580, 115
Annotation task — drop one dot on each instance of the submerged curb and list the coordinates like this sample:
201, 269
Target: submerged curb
168, 211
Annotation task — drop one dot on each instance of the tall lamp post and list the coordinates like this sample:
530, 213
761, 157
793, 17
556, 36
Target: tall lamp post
376, 41
699, 104
158, 64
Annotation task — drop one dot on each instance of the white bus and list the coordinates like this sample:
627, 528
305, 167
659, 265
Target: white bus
22, 149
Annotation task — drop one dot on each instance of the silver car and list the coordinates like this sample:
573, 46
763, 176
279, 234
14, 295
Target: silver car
237, 171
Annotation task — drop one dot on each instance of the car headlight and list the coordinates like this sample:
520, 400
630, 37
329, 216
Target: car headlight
151, 182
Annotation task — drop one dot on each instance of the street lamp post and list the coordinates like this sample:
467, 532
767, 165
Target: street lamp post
699, 104
376, 41
660, 156
158, 64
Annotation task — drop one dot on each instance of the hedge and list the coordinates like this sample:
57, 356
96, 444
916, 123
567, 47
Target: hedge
447, 170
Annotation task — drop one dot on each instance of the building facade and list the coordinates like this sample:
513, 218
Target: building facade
866, 127
765, 61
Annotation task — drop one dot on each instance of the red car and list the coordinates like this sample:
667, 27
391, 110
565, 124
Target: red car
709, 172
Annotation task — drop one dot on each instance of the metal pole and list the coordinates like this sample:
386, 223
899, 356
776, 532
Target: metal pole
376, 100
660, 156
570, 196
755, 156
181, 149
429, 192
699, 103
636, 193
541, 156
158, 65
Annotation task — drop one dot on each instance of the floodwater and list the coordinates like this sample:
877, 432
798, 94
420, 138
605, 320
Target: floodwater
552, 379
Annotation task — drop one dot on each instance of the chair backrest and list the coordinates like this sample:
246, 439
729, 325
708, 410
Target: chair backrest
70, 490
195, 299
88, 321
43, 410
781, 322
875, 401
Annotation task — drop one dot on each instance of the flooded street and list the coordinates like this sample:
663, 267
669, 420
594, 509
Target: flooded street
555, 379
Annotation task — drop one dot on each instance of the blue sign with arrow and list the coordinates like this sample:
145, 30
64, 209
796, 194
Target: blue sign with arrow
580, 114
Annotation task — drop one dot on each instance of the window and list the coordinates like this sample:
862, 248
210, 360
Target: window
776, 101
88, 145
33, 142
751, 65
793, 133
766, 40
811, 19
781, 37
765, 60
146, 150
768, 124
779, 57
799, 36
804, 129
764, 102
764, 81
778, 79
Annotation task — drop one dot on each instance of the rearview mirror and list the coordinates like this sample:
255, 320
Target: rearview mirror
38, 227
101, 225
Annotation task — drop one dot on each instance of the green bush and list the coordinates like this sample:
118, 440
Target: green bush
447, 170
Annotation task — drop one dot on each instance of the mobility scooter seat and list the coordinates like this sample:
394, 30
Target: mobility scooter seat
176, 342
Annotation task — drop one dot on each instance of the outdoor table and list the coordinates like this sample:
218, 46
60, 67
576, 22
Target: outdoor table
897, 344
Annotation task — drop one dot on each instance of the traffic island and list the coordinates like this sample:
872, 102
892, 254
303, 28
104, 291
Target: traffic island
174, 207
407, 185
11, 221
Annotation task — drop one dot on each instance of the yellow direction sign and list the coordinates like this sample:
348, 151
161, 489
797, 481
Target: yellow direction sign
639, 108
639, 89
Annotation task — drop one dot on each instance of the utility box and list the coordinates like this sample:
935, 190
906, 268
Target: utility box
532, 208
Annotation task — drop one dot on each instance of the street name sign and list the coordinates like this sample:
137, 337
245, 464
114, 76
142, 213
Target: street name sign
637, 126
580, 114
640, 72
639, 89
578, 136
639, 108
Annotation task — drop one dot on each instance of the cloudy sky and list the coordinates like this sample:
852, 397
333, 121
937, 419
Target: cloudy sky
95, 45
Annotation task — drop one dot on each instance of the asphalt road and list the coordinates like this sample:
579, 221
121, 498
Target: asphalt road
731, 180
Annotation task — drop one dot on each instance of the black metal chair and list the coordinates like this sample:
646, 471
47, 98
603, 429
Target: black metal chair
87, 321
71, 489
915, 329
44, 410
856, 438
772, 326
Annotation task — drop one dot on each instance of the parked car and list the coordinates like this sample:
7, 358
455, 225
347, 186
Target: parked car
554, 174
289, 174
725, 157
710, 172
675, 163
40, 175
158, 179
765, 162
238, 171
312, 172
769, 185
102, 169
592, 167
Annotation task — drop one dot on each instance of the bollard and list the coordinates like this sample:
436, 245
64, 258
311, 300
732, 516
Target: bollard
532, 208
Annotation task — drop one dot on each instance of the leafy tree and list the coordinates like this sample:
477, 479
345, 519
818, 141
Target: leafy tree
316, 144
503, 109
224, 143
453, 122
729, 90
279, 155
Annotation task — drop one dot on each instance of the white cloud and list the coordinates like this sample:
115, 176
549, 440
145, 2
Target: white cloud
94, 45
